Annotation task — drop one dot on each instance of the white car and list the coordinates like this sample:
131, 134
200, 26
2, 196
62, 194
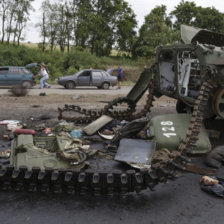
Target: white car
88, 77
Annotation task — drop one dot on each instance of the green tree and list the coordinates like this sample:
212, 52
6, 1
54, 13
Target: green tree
113, 24
97, 25
52, 25
69, 10
184, 13
209, 18
49, 24
101, 36
125, 34
83, 21
5, 5
22, 12
43, 24
10, 18
155, 31
61, 37
14, 15
189, 14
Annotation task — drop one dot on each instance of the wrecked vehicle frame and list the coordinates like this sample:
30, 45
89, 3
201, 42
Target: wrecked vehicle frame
206, 60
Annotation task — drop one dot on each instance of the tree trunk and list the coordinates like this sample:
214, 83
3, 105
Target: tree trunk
62, 47
5, 6
15, 33
19, 34
44, 33
52, 44
18, 38
10, 28
68, 45
3, 26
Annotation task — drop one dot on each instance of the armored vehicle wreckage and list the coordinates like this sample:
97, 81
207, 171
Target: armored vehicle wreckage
191, 71
183, 68
180, 71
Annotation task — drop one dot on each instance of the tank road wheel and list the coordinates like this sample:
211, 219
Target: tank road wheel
69, 85
218, 103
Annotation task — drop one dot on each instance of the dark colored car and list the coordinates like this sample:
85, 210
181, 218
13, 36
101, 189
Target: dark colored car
16, 75
88, 77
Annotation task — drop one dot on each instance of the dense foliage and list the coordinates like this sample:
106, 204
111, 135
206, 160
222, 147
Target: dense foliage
160, 28
98, 25
66, 63
14, 15
190, 14
154, 32
88, 29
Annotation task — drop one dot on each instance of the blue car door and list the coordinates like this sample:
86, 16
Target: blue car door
14, 76
4, 76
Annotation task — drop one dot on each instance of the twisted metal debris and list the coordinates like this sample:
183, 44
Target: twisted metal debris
115, 181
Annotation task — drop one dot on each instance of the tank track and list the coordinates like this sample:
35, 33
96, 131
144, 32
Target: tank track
108, 183
91, 115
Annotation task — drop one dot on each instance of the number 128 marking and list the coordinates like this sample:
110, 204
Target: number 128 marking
166, 129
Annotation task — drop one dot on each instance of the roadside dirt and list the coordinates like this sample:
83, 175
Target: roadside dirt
180, 201
25, 108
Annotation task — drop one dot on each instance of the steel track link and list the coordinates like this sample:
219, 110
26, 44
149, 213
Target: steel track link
107, 183
91, 115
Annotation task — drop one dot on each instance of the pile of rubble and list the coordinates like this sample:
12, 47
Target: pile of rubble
137, 146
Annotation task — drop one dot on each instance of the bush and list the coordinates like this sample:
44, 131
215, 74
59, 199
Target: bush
67, 63
81, 58
71, 70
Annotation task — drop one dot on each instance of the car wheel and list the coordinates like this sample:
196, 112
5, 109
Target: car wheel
69, 85
26, 84
105, 85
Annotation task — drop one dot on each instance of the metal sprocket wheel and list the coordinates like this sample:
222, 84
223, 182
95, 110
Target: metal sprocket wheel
218, 102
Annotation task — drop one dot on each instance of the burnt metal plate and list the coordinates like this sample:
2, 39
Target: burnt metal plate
135, 151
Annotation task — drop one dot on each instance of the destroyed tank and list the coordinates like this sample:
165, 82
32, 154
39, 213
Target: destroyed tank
183, 67
191, 72
179, 72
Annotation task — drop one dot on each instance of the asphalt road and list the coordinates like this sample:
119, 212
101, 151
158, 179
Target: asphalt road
178, 202
57, 89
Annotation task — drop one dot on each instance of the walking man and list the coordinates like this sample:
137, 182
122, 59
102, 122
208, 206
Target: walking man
119, 76
44, 74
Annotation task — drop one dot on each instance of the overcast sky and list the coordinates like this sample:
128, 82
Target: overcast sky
140, 7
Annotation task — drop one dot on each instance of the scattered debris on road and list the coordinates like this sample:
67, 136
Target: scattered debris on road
212, 186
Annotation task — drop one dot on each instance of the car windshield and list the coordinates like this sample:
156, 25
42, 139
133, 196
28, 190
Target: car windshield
78, 73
